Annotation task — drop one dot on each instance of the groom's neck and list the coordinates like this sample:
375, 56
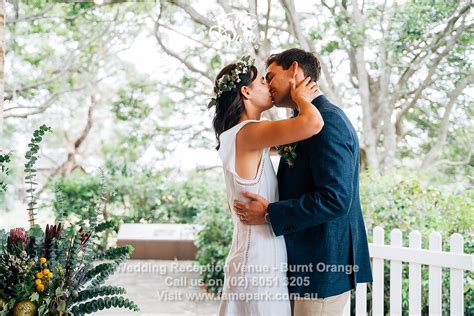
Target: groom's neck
290, 104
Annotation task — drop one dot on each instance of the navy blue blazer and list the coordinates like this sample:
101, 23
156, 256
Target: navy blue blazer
319, 210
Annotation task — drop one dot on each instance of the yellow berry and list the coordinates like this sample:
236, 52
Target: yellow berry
50, 275
43, 260
40, 288
45, 271
37, 281
39, 275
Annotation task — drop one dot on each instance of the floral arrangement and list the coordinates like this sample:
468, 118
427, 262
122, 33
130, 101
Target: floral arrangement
61, 270
228, 82
288, 152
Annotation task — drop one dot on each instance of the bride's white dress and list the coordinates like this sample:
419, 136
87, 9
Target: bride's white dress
255, 276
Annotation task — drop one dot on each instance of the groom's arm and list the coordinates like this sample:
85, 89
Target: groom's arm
331, 154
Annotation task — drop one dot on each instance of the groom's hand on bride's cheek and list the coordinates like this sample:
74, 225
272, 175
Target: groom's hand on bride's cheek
252, 212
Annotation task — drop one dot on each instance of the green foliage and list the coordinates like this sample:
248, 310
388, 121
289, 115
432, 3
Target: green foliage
78, 270
76, 196
64, 48
213, 243
100, 273
4, 170
77, 8
117, 254
3, 240
50, 267
216, 62
417, 18
139, 196
315, 34
401, 200
31, 158
110, 224
186, 199
459, 57
99, 291
132, 103
16, 278
188, 82
95, 305
330, 47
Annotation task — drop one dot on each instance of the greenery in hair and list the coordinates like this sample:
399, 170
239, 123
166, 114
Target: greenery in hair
228, 82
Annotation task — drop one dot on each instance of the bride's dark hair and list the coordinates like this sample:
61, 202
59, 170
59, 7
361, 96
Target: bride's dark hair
230, 105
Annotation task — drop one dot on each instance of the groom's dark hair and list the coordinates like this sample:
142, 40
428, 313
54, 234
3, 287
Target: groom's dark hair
306, 60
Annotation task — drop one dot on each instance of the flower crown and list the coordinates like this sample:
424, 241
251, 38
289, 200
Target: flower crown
228, 81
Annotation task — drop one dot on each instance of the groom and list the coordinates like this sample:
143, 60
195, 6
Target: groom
319, 210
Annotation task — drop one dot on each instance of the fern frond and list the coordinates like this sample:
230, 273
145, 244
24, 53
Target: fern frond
115, 253
105, 225
94, 292
104, 303
31, 172
100, 273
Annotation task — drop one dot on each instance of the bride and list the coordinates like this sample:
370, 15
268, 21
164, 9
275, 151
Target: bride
255, 279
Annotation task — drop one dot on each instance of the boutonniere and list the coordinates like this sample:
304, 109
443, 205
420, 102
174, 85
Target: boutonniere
288, 152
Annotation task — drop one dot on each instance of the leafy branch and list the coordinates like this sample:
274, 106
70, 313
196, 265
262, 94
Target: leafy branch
4, 161
31, 158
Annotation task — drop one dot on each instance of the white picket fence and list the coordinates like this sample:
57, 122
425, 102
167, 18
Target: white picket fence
434, 257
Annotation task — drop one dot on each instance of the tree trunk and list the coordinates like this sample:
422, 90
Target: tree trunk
368, 136
437, 148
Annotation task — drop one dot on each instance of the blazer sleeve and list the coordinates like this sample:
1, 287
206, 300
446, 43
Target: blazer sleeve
332, 165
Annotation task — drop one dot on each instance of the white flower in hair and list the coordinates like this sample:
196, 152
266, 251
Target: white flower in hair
228, 81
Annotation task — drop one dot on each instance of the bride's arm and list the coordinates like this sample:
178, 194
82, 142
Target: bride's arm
256, 136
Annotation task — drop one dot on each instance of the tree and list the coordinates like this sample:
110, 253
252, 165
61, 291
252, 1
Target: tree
402, 67
391, 60
61, 58
408, 62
